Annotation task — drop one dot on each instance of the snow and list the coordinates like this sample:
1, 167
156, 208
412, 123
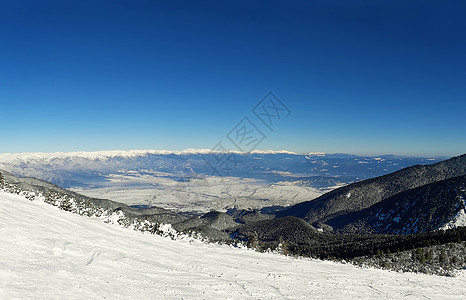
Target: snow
273, 152
200, 195
316, 154
182, 181
48, 253
94, 155
460, 217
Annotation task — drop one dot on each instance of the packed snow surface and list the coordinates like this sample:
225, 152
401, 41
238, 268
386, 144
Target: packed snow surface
47, 253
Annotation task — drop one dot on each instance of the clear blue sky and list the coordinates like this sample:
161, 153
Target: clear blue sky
359, 76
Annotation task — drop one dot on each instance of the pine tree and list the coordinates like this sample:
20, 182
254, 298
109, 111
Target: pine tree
253, 241
430, 255
443, 256
379, 253
283, 246
422, 259
421, 255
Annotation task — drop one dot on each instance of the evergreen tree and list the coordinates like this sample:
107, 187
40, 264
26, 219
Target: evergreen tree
253, 241
283, 246
430, 255
379, 253
443, 256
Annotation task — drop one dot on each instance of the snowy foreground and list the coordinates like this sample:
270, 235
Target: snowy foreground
53, 254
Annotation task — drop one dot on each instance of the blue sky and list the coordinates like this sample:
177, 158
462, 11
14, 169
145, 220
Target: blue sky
371, 77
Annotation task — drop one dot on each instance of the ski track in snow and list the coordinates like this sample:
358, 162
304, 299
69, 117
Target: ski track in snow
46, 253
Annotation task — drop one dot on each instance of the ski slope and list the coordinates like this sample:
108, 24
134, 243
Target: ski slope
46, 253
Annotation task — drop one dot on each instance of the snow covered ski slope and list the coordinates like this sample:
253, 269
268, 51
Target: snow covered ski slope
46, 253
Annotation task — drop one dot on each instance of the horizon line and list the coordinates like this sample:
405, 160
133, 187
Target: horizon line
136, 152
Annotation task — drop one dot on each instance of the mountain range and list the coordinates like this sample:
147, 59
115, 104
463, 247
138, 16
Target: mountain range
94, 169
185, 181
400, 211
364, 194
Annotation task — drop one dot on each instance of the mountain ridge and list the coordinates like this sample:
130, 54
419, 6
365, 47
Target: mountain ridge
363, 194
130, 153
423, 209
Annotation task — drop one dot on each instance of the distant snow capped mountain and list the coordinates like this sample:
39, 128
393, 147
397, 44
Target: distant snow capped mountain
79, 169
203, 179
124, 153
